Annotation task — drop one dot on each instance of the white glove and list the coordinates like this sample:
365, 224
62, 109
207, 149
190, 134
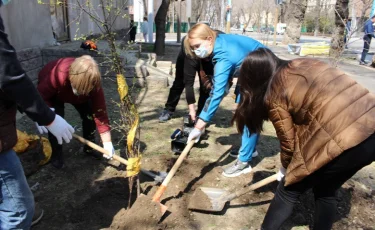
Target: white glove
41, 129
61, 130
109, 148
195, 134
281, 173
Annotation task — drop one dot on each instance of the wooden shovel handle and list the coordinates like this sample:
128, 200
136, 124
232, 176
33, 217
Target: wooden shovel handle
100, 149
171, 173
252, 187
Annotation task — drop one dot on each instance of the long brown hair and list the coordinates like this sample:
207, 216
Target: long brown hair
257, 71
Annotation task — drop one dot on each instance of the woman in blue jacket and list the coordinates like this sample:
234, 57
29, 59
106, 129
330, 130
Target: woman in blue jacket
227, 52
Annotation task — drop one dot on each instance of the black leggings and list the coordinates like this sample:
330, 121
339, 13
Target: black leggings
179, 86
325, 183
88, 124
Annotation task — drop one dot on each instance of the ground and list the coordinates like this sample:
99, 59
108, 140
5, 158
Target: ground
94, 194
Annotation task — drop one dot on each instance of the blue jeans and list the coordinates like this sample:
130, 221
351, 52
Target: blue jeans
249, 141
248, 144
366, 47
16, 199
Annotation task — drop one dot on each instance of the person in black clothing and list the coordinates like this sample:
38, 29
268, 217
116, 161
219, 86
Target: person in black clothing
186, 69
132, 31
17, 205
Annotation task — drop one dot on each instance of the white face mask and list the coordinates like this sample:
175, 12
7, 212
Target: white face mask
75, 91
202, 51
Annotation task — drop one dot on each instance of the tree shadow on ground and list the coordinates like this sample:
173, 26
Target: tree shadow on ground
103, 201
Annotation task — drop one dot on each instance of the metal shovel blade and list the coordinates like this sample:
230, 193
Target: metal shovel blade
157, 176
214, 199
208, 199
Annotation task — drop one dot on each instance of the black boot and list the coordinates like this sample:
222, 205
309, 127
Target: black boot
57, 159
91, 152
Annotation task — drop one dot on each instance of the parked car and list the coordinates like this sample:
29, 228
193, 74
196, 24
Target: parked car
249, 29
270, 30
263, 30
280, 29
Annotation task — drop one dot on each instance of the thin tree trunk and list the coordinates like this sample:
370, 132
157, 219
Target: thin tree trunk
317, 16
282, 13
201, 3
145, 8
160, 17
179, 22
337, 42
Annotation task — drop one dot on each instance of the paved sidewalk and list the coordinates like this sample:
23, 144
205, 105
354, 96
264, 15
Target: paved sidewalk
364, 75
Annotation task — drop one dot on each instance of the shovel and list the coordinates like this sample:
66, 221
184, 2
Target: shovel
214, 199
151, 209
163, 186
157, 177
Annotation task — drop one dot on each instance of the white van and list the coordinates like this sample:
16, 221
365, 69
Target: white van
280, 28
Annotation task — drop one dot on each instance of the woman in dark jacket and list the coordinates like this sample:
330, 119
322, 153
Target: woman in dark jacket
186, 69
325, 122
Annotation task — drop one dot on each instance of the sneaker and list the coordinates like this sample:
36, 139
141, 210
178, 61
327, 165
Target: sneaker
234, 153
38, 215
165, 116
237, 169
363, 63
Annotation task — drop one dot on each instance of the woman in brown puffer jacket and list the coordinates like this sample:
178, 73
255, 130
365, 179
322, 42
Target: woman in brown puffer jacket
325, 122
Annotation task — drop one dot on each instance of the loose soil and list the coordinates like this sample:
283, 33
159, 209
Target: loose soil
94, 194
200, 201
144, 214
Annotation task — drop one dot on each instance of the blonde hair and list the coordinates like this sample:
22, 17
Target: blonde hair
84, 75
201, 31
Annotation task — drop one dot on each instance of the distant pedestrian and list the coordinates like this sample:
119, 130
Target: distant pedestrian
348, 25
132, 31
144, 28
369, 33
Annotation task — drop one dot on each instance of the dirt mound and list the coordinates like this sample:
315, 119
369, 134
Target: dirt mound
143, 215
